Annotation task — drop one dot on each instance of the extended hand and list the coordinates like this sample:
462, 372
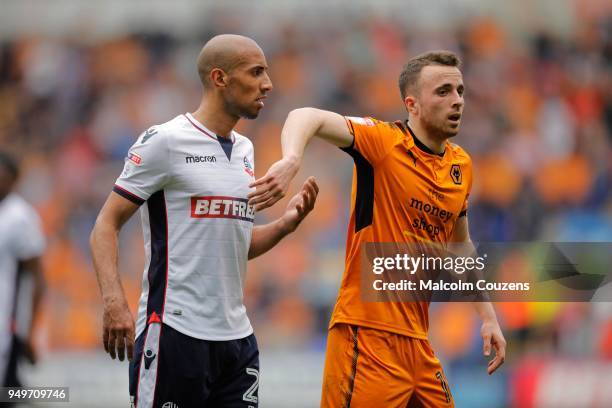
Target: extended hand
492, 336
301, 204
118, 329
274, 185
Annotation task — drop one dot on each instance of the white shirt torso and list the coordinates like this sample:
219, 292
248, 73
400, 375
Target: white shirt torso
196, 225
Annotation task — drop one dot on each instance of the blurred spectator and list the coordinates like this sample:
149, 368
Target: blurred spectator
21, 279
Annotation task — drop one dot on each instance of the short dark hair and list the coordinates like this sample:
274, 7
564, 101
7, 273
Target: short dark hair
9, 163
409, 77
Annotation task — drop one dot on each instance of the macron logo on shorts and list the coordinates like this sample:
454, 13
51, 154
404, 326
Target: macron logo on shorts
221, 207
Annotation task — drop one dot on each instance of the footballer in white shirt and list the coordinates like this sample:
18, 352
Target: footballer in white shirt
22, 244
193, 344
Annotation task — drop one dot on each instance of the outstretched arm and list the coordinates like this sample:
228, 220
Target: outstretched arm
118, 323
490, 331
265, 237
300, 126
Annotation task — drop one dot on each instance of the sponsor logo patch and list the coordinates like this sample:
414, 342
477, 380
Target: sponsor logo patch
149, 356
248, 168
200, 159
221, 207
361, 121
456, 174
134, 158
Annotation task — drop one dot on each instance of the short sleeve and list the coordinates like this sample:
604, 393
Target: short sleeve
146, 167
29, 239
373, 139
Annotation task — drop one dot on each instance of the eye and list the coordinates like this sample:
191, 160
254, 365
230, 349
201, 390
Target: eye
442, 92
257, 71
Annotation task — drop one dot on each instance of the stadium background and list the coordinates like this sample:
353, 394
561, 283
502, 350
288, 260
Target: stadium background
80, 81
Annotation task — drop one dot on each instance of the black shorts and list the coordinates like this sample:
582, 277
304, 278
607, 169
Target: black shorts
178, 371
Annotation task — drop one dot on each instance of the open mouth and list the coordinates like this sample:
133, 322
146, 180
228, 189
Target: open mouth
455, 117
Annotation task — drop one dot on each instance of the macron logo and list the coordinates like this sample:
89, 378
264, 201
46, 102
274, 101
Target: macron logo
200, 159
221, 207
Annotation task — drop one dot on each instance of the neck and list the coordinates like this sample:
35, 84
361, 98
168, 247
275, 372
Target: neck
434, 144
212, 114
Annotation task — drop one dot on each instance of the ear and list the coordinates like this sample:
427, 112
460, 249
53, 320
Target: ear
412, 105
218, 78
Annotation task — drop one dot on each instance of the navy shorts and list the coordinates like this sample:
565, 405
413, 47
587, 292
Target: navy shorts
178, 371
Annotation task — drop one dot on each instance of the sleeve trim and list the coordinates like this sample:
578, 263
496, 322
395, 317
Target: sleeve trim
351, 130
128, 195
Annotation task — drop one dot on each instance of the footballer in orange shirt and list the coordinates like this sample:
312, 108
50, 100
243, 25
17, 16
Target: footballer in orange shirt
410, 184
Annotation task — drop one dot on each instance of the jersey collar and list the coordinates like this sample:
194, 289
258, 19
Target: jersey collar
422, 145
205, 130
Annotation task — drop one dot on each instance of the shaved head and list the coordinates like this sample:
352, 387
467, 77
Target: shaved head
225, 52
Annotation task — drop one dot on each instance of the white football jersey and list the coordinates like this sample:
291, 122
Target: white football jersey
21, 238
197, 226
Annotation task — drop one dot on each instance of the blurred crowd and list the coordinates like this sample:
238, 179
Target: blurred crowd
537, 123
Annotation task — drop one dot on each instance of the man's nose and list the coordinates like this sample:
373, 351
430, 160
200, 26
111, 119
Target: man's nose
458, 100
267, 84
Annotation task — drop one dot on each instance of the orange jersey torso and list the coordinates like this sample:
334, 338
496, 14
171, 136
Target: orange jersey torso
401, 193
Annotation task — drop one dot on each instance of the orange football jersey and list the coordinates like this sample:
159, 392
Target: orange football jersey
402, 192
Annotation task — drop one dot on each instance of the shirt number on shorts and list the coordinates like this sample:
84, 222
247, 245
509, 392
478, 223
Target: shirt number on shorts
249, 395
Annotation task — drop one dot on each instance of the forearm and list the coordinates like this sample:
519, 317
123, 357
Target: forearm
485, 310
300, 126
265, 237
104, 250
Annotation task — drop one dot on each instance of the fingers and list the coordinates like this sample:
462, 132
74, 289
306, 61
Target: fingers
494, 364
486, 346
119, 343
259, 182
261, 198
105, 336
266, 196
500, 355
121, 346
130, 344
312, 181
266, 204
261, 190
111, 344
310, 191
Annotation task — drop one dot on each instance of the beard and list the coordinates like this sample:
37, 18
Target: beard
437, 130
240, 111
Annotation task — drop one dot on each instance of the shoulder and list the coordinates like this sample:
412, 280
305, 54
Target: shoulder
242, 141
377, 125
157, 136
459, 154
367, 121
170, 128
20, 210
